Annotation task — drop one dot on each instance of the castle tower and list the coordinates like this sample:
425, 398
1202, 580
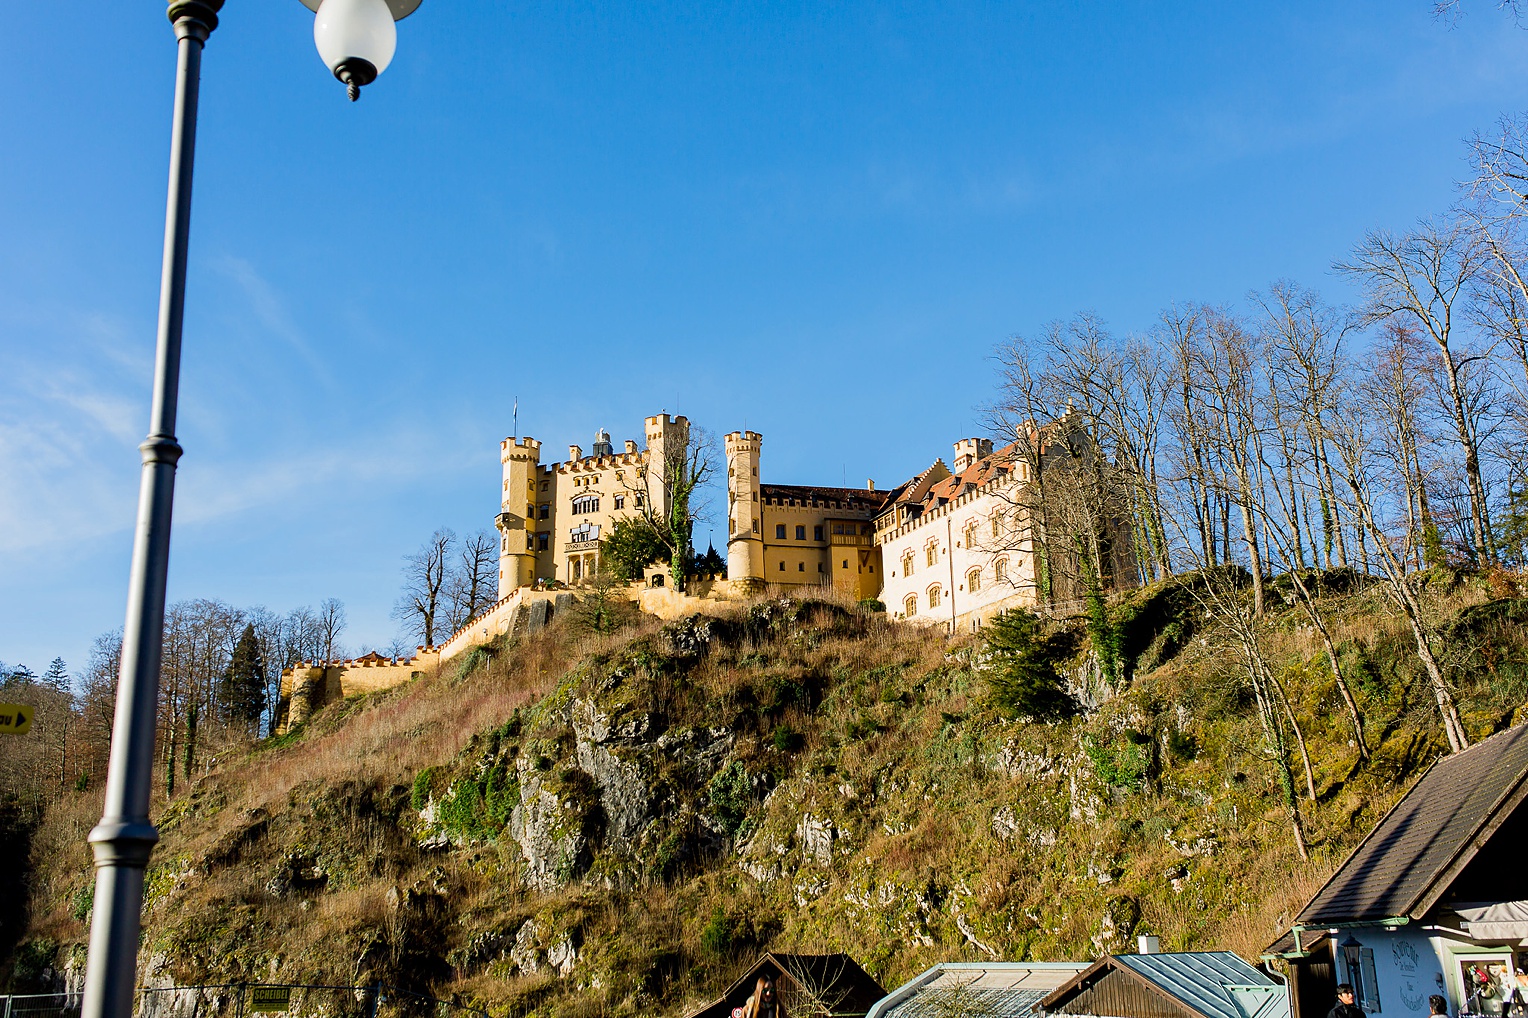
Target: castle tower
667, 438
968, 451
517, 513
745, 514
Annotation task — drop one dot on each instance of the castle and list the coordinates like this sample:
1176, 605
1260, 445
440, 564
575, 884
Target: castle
951, 546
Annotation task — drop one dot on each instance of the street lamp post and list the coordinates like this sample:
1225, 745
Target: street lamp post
357, 47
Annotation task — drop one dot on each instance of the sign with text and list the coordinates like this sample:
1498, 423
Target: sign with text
15, 718
270, 999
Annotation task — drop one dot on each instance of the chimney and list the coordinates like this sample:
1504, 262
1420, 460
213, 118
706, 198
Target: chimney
870, 484
1147, 944
575, 452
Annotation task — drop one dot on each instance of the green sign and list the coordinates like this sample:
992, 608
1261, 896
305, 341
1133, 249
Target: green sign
270, 999
15, 718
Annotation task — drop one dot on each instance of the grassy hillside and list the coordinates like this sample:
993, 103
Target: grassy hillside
584, 824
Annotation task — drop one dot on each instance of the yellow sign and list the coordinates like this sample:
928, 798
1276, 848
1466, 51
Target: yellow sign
15, 718
270, 999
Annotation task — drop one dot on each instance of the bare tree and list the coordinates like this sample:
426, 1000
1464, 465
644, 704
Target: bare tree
1365, 492
424, 582
470, 584
331, 623
1424, 278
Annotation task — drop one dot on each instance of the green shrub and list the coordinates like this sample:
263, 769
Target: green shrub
82, 903
422, 788
787, 739
717, 935
732, 796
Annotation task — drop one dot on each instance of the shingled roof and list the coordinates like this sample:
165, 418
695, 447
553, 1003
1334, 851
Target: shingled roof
1405, 865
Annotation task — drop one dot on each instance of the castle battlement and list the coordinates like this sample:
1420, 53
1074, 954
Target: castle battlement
631, 458
743, 439
526, 448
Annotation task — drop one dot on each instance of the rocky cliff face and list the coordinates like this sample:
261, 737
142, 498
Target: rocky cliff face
581, 823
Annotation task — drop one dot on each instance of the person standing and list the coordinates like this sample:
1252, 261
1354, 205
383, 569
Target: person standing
1345, 1008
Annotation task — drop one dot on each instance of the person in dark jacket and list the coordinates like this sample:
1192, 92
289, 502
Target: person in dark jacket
1345, 1007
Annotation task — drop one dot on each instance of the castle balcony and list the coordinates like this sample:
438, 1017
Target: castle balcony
852, 540
508, 521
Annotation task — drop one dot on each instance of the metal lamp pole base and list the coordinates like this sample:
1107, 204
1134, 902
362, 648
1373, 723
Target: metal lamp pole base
124, 839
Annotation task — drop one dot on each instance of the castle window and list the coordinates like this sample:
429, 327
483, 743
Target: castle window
755, 526
620, 501
782, 567
996, 522
544, 485
546, 511
1000, 570
971, 534
543, 540
530, 511
530, 542
640, 500
779, 531
933, 596
846, 563
504, 545
910, 606
586, 504
800, 532
820, 569
800, 567
907, 563
817, 533
931, 552
974, 580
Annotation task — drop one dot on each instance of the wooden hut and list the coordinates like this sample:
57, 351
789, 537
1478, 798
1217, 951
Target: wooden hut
807, 986
1190, 984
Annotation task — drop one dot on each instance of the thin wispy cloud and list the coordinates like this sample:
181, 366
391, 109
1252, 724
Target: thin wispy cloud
270, 311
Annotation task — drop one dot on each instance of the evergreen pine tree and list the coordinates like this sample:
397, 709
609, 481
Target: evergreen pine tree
243, 692
1021, 668
57, 676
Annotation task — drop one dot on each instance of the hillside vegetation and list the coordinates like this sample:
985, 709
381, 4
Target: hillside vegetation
612, 824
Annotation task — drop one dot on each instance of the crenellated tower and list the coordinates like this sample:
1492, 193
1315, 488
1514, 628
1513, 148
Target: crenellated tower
745, 520
667, 438
968, 451
521, 458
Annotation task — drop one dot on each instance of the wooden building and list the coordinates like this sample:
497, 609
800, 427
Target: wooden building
1433, 901
806, 985
1191, 984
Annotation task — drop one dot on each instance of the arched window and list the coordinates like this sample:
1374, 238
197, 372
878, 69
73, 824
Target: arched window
907, 562
997, 522
1000, 570
586, 504
933, 596
910, 606
971, 534
974, 580
931, 553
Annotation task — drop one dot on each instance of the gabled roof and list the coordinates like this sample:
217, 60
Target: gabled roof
1405, 865
834, 981
994, 989
1214, 984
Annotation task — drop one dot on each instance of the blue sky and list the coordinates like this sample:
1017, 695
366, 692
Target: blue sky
813, 220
